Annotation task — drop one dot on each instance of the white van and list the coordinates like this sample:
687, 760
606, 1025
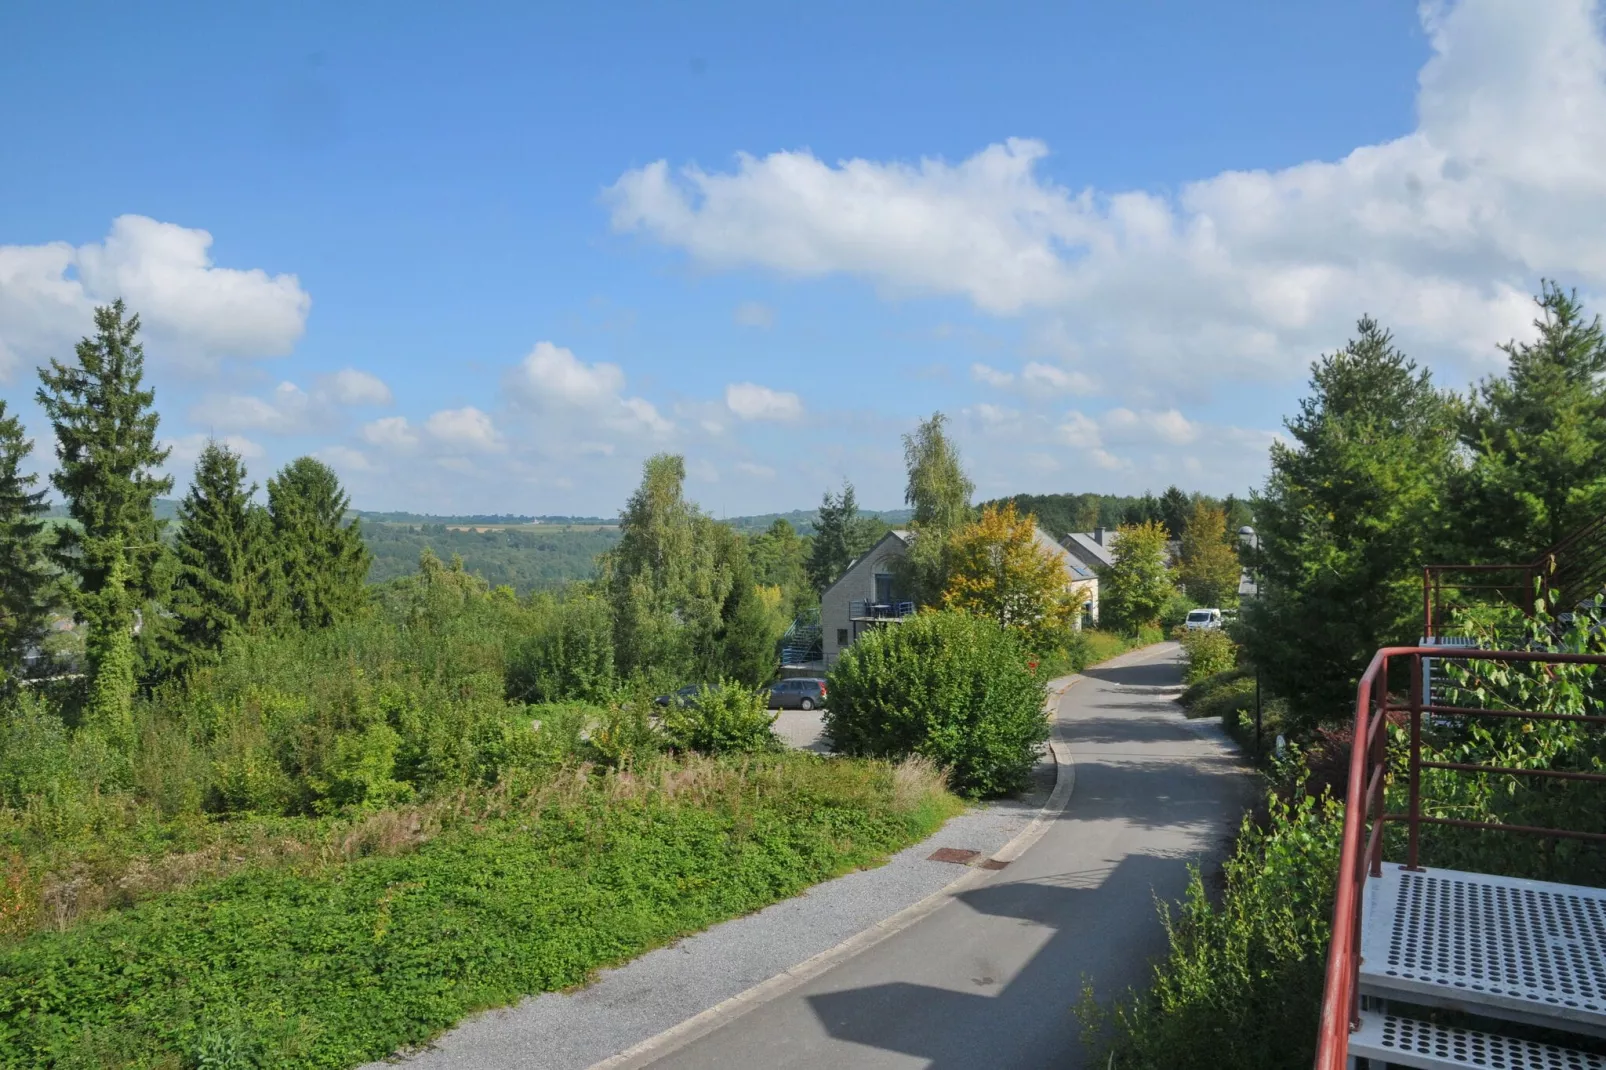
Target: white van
1202, 618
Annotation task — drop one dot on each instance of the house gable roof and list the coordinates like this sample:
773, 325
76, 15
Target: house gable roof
1081, 544
903, 537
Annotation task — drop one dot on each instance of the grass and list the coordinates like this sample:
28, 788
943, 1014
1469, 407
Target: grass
337, 963
1093, 646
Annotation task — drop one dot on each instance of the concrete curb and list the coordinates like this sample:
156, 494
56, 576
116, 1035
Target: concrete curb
727, 1011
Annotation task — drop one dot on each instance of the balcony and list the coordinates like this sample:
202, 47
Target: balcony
865, 610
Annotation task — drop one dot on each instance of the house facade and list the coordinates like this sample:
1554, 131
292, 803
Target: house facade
867, 595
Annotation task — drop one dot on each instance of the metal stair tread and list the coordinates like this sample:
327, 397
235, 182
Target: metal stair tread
1517, 949
1402, 1041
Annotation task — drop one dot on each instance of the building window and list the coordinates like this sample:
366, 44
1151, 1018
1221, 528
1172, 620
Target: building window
841, 637
883, 588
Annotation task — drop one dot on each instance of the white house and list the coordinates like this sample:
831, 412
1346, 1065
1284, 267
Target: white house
867, 595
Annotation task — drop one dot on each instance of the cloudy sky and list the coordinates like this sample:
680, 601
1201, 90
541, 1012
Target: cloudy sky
486, 258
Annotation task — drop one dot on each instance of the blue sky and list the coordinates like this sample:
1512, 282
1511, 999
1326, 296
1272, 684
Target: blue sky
488, 257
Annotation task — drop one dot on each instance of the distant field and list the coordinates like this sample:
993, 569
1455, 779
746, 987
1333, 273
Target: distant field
526, 557
535, 529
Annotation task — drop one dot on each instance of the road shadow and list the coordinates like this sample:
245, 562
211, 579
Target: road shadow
1030, 1021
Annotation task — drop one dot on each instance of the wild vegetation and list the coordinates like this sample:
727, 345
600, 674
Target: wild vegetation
1385, 471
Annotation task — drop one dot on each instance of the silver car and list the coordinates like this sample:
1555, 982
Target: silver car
802, 693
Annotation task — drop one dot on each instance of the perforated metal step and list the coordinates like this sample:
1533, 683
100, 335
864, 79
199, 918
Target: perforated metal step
1521, 950
1390, 1038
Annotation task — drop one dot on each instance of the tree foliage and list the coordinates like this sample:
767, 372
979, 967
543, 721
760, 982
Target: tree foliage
841, 536
1348, 516
321, 561
1136, 585
221, 586
25, 576
1176, 508
939, 492
1537, 439
1209, 568
108, 459
998, 570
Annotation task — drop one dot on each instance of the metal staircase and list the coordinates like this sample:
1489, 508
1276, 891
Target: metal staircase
1411, 943
802, 644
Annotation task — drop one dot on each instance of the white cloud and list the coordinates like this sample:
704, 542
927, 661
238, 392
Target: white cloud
288, 410
985, 373
349, 386
467, 428
193, 312
749, 401
1078, 431
758, 471
639, 412
345, 460
186, 449
390, 432
754, 314
1168, 426
553, 374
1440, 233
1048, 378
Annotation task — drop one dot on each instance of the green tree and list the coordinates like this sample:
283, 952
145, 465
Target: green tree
1537, 437
25, 577
1346, 520
1137, 583
107, 461
221, 584
780, 558
1144, 510
939, 492
1209, 568
749, 624
1175, 510
841, 535
998, 570
108, 704
319, 560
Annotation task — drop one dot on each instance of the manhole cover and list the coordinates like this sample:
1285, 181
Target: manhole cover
954, 854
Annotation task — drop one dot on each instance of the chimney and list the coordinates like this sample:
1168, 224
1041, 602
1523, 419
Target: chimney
1098, 536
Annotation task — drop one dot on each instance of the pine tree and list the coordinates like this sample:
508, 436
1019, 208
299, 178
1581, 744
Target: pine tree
1537, 436
840, 536
25, 579
108, 457
219, 584
1175, 509
1346, 520
320, 561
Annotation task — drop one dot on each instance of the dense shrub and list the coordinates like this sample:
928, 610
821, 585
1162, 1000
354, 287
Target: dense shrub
566, 655
947, 686
1175, 611
1209, 652
725, 718
1241, 985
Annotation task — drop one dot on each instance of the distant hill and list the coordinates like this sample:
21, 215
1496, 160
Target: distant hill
803, 519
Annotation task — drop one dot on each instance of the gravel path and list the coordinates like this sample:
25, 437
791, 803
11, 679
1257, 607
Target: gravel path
573, 1030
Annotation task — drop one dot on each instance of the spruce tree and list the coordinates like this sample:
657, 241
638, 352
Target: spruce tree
108, 459
25, 578
1346, 520
836, 537
1537, 436
218, 586
1175, 510
319, 560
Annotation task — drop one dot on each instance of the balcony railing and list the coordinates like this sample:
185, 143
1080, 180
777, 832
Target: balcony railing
868, 610
1366, 814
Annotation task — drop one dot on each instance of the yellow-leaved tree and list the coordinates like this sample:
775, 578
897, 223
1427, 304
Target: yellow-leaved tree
999, 570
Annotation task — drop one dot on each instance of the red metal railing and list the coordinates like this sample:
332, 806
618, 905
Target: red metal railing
1365, 814
1572, 570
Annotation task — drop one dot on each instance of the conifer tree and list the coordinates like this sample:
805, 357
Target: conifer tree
108, 706
219, 583
1175, 509
840, 536
319, 560
1537, 436
25, 579
108, 459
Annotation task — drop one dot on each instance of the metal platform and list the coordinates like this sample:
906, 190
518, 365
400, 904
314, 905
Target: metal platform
1390, 1038
1525, 951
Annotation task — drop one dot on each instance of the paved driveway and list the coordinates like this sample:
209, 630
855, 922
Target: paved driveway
990, 979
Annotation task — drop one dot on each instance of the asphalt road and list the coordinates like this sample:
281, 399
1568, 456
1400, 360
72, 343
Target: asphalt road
990, 980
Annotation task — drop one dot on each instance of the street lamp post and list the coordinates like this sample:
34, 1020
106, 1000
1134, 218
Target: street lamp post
1249, 587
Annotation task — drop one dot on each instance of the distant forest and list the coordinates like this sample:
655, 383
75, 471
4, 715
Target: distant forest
520, 558
1059, 514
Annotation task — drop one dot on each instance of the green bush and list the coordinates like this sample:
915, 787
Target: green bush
1241, 985
947, 686
1224, 695
568, 655
726, 718
1209, 651
1175, 611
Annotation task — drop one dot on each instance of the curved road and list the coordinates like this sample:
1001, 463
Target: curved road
990, 979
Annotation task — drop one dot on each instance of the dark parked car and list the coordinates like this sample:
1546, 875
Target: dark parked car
684, 697
804, 693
